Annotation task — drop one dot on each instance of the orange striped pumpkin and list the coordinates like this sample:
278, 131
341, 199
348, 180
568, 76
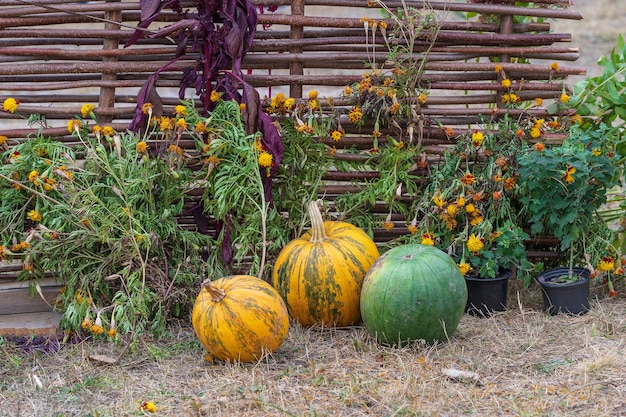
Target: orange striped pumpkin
319, 275
239, 318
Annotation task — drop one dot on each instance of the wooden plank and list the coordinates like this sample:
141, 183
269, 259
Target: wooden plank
25, 324
18, 300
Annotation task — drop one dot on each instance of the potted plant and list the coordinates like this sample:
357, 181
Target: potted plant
469, 211
566, 186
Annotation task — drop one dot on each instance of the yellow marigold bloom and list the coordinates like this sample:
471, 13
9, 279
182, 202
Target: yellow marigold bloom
165, 124
606, 264
3, 251
49, 183
355, 114
96, 329
506, 83
475, 221
96, 130
112, 332
35, 216
242, 107
336, 135
86, 109
513, 98
201, 128
265, 159
393, 109
498, 68
141, 147
474, 243
33, 175
535, 132
215, 96
464, 267
564, 98
148, 406
596, 152
509, 183
175, 149
477, 138
554, 66
347, 90
539, 123
412, 229
313, 104
181, 110
388, 225
577, 118
313, 95
451, 209
428, 239
147, 108
86, 323
439, 201
538, 102
422, 98
3, 140
290, 103
181, 124
10, 105
470, 208
74, 125
108, 131
399, 144
460, 201
569, 174
497, 178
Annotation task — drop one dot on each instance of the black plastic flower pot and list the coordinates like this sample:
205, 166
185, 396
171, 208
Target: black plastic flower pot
487, 295
569, 298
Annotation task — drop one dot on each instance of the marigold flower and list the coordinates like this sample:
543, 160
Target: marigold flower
468, 179
475, 221
535, 132
265, 159
74, 125
376, 134
452, 209
412, 229
181, 124
539, 147
96, 329
612, 294
165, 124
141, 147
3, 251
313, 95
460, 201
464, 267
108, 131
33, 176
147, 108
474, 243
569, 174
87, 322
506, 83
201, 127
470, 208
422, 98
564, 98
497, 195
509, 183
355, 114
215, 96
477, 137
596, 152
336, 135
86, 109
577, 118
498, 68
347, 90
554, 66
538, 102
242, 107
181, 110
175, 149
212, 160
606, 264
428, 239
148, 406
440, 202
10, 105
112, 332
35, 216
3, 140
388, 225
290, 103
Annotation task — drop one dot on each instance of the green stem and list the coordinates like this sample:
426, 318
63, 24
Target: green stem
318, 234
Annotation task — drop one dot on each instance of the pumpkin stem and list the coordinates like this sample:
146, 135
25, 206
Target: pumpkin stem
217, 294
318, 234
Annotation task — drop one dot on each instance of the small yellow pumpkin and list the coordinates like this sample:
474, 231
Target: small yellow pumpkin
319, 275
239, 318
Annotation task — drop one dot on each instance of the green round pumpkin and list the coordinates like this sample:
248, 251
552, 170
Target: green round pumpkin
413, 292
319, 275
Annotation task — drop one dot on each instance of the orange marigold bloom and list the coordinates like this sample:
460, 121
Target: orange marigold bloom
498, 68
468, 179
509, 183
538, 102
554, 66
412, 229
612, 294
539, 147
147, 108
388, 225
497, 195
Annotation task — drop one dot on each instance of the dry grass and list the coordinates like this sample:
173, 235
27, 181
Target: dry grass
521, 363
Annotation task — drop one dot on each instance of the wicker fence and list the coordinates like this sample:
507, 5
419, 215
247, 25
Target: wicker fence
56, 55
